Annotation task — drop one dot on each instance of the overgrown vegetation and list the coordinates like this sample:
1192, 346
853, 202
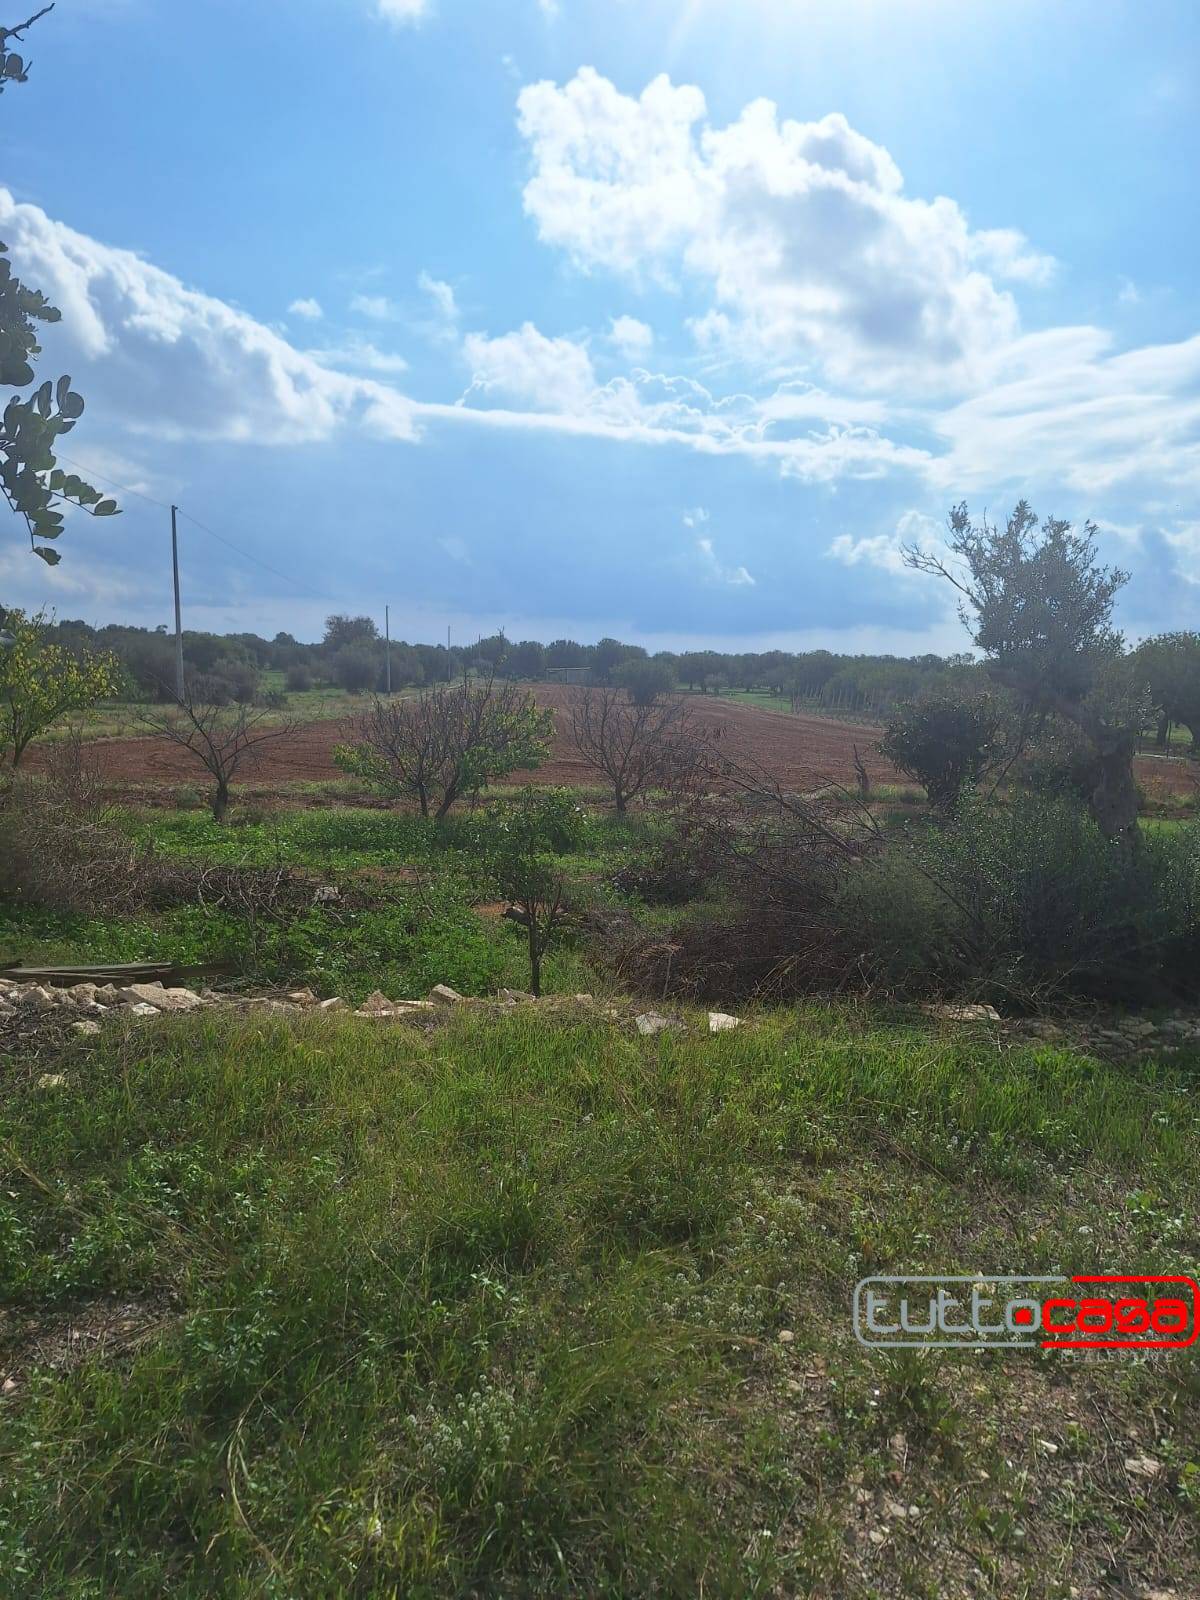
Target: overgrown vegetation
501, 1309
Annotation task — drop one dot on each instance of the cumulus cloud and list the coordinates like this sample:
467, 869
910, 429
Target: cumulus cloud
801, 231
548, 374
168, 360
442, 296
886, 550
309, 309
553, 378
632, 338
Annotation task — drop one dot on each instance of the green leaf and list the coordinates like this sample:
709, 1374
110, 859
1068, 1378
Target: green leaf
43, 398
49, 556
63, 390
106, 508
71, 405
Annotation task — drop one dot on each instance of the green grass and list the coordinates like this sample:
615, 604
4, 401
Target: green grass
496, 1310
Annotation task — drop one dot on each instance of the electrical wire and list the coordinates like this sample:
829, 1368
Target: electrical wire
122, 488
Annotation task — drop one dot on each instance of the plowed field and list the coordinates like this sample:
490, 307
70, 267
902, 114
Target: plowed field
797, 750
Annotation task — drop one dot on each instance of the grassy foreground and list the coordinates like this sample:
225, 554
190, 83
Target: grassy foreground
497, 1309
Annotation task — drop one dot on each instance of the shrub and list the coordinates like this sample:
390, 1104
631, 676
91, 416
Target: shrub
946, 741
1045, 900
645, 680
356, 668
298, 680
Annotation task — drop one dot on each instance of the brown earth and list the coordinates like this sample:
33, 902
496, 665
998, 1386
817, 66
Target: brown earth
799, 751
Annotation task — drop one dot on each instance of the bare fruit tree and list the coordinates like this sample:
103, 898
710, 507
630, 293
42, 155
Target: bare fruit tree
222, 739
635, 747
449, 742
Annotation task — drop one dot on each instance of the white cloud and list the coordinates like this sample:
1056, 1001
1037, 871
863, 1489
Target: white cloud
309, 309
714, 572
402, 10
166, 360
549, 374
550, 9
632, 338
556, 379
696, 518
1007, 253
1060, 410
885, 550
360, 355
442, 295
801, 231
376, 306
1129, 294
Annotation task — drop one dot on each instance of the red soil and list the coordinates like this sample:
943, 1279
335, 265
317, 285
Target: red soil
799, 751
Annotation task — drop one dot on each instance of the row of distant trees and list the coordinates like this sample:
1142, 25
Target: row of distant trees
353, 656
230, 668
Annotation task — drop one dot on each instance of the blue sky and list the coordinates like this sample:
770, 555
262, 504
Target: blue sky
665, 318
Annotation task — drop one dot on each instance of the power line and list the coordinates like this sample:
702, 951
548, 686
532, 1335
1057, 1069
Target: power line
122, 488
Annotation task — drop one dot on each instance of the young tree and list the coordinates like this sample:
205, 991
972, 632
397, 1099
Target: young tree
31, 481
945, 741
40, 682
634, 747
221, 738
528, 835
450, 741
1039, 606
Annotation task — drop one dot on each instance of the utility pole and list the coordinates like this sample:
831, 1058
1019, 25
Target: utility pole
178, 613
387, 645
449, 662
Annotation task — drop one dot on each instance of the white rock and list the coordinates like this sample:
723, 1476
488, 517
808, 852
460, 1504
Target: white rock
141, 1009
513, 995
326, 894
153, 994
1143, 1466
51, 1080
651, 1022
962, 1013
722, 1022
336, 1003
302, 997
376, 1004
87, 1029
444, 995
37, 998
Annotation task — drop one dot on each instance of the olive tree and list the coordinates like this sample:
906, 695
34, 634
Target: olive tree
946, 741
1038, 604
